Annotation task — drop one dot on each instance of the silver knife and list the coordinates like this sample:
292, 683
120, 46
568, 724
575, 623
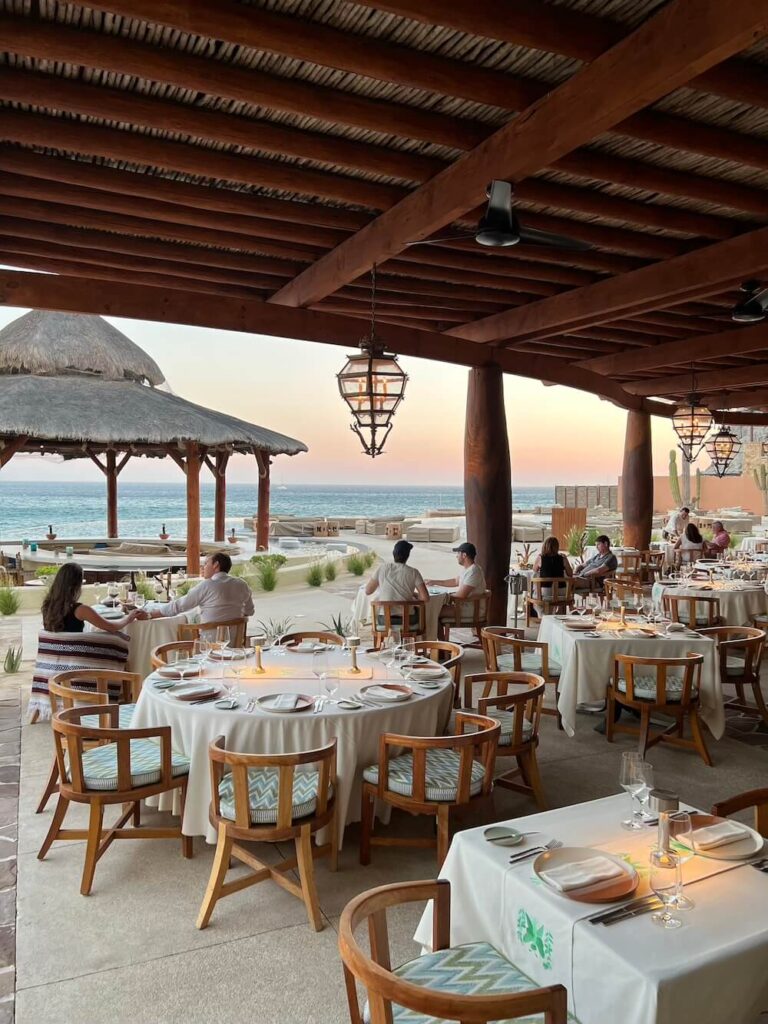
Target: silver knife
645, 909
616, 911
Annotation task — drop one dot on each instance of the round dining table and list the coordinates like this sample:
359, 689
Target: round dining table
144, 635
740, 600
251, 729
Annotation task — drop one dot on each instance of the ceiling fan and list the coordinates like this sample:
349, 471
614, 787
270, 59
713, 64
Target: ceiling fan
754, 306
499, 226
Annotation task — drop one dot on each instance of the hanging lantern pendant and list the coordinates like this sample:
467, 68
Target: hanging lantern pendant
722, 448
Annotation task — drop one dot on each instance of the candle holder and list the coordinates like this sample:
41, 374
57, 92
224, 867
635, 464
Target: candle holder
353, 642
257, 643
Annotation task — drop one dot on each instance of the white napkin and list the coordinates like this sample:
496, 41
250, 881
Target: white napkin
381, 693
718, 835
427, 673
309, 645
677, 627
285, 701
582, 873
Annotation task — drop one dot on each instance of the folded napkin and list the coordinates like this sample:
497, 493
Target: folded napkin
718, 835
427, 673
381, 693
583, 873
677, 627
286, 701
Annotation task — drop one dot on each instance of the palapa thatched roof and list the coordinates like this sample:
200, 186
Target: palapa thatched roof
81, 392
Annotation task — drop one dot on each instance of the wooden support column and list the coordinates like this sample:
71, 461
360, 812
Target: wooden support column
488, 483
637, 481
193, 508
219, 470
111, 470
262, 512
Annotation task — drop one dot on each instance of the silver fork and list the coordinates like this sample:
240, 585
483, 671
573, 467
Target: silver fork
318, 705
553, 844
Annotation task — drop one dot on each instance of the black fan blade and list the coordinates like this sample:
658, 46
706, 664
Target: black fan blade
531, 236
437, 241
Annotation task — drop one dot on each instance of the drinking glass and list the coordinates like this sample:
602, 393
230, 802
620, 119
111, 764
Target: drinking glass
643, 795
681, 829
200, 650
222, 635
632, 781
320, 664
140, 601
331, 682
665, 882
231, 681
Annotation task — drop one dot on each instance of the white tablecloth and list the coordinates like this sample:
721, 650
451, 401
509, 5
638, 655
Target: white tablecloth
145, 635
361, 608
710, 971
587, 665
751, 543
260, 732
738, 603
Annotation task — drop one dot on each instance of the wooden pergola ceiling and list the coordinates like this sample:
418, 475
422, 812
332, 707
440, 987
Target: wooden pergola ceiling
184, 151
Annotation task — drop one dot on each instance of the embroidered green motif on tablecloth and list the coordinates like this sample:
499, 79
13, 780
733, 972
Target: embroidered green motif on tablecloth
535, 937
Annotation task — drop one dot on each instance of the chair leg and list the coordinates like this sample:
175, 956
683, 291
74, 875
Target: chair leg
610, 721
219, 870
92, 846
534, 779
137, 814
334, 827
443, 833
35, 716
645, 730
307, 876
50, 787
760, 701
698, 738
186, 841
58, 817
366, 825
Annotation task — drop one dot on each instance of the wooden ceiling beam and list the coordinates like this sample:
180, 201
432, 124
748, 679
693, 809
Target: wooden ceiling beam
478, 278
389, 297
337, 304
749, 398
717, 266
711, 380
705, 324
593, 259
416, 290
478, 259
627, 78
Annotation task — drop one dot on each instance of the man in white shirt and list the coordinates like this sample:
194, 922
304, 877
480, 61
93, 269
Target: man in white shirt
471, 580
219, 596
676, 525
397, 581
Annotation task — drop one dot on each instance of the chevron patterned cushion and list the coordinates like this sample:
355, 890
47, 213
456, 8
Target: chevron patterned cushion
100, 765
125, 717
506, 720
442, 775
473, 970
263, 786
530, 662
645, 687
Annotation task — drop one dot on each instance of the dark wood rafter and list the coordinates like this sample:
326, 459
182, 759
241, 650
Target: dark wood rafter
11, 446
710, 380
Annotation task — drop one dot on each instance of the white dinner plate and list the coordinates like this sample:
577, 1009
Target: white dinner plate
267, 703
751, 844
387, 693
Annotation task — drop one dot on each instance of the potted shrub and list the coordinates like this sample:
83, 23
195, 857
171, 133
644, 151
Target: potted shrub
163, 534
232, 537
50, 535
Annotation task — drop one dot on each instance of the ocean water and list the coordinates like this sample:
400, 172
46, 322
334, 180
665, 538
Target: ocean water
79, 509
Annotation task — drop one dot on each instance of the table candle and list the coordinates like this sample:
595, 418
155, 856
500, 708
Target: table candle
353, 642
258, 642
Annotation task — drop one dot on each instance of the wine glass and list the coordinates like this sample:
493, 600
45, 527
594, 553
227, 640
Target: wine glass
200, 649
665, 882
330, 682
231, 682
320, 664
140, 601
632, 781
112, 592
223, 636
681, 830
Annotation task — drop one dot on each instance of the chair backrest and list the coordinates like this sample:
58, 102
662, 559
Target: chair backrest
756, 798
687, 555
745, 643
408, 617
444, 652
225, 761
161, 652
469, 612
325, 637
78, 687
72, 739
622, 590
548, 593
694, 611
630, 565
193, 630
525, 703
371, 966
496, 642
480, 745
687, 668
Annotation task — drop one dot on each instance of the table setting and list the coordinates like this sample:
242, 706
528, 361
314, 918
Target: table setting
276, 698
740, 599
663, 913
144, 634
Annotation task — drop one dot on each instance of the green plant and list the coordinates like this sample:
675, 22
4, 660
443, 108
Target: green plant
617, 540
339, 625
276, 560
736, 539
369, 558
674, 479
592, 534
330, 571
146, 589
314, 575
12, 660
10, 602
356, 565
185, 586
275, 627
266, 574
46, 571
575, 541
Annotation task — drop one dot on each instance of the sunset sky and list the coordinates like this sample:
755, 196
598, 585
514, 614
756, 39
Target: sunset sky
557, 435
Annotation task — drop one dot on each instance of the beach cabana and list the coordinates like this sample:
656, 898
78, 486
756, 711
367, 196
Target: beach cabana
77, 387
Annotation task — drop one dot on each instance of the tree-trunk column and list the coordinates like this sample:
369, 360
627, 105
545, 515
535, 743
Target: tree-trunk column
262, 512
220, 507
488, 483
193, 508
111, 474
637, 481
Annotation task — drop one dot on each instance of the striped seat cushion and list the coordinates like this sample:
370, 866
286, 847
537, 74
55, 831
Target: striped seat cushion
506, 721
263, 791
100, 765
476, 969
530, 661
734, 665
645, 688
63, 652
442, 775
125, 718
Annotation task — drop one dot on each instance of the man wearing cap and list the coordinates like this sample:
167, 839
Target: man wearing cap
397, 581
471, 580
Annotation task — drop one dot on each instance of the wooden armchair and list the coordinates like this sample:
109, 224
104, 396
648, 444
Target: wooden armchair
262, 798
693, 612
754, 798
548, 596
469, 613
104, 765
507, 650
159, 657
618, 589
408, 618
434, 986
322, 637
434, 774
518, 714
630, 568
446, 654
652, 566
740, 651
193, 630
666, 686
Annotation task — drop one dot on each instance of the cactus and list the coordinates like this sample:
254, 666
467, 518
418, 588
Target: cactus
760, 476
674, 479
12, 661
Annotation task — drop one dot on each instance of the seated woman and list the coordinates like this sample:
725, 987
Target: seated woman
64, 613
397, 581
550, 563
690, 545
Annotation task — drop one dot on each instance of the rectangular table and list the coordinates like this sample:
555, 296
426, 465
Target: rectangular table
587, 665
710, 971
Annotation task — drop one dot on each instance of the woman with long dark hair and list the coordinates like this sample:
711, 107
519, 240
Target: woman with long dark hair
63, 611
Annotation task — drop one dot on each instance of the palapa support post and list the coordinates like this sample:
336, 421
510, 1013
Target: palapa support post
488, 483
111, 470
262, 512
219, 470
193, 507
637, 481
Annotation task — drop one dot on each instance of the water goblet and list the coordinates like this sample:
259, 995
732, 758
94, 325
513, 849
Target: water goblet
330, 682
140, 601
681, 833
320, 664
223, 636
665, 882
631, 780
643, 795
